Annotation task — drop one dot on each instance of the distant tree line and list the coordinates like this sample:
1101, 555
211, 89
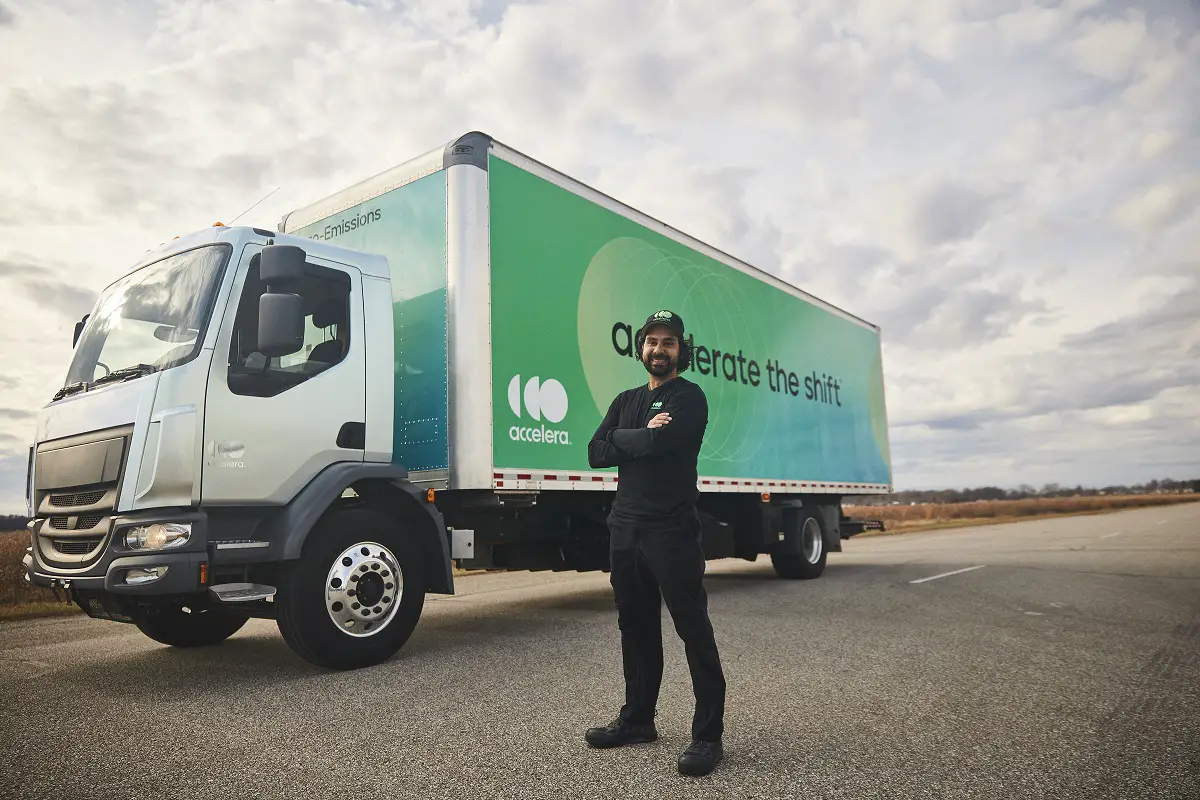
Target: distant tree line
12, 522
1022, 492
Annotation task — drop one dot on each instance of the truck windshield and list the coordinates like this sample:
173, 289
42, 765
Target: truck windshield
151, 319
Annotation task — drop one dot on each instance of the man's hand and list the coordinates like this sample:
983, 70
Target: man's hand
660, 421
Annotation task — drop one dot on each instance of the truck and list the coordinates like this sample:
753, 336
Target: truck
324, 423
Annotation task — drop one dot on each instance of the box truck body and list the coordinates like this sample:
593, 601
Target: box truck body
316, 424
514, 318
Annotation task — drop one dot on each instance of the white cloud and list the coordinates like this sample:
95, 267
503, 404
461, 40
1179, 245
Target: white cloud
991, 181
1109, 48
1158, 143
1161, 205
1032, 25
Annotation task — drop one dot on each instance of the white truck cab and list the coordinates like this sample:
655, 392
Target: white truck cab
209, 389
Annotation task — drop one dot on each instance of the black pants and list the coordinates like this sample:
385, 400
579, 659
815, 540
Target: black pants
649, 566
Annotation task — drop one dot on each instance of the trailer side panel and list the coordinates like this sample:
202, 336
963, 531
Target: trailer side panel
408, 226
795, 391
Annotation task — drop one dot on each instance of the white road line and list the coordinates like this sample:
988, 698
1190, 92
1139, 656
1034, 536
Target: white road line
948, 574
1110, 535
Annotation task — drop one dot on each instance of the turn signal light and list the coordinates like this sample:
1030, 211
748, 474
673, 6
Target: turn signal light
766, 497
429, 495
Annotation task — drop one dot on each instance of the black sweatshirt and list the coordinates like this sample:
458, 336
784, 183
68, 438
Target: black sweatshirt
656, 466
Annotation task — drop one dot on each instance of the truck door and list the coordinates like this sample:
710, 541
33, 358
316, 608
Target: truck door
272, 424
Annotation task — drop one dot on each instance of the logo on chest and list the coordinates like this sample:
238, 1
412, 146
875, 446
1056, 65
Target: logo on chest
653, 406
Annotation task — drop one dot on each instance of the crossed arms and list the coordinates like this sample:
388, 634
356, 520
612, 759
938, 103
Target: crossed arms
681, 419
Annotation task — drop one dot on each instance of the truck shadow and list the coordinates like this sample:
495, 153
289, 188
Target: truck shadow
258, 655
766, 573
251, 656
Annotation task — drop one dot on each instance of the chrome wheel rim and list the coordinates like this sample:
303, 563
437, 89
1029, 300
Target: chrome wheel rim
363, 589
813, 543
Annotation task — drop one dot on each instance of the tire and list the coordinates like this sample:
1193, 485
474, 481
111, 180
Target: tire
318, 612
172, 625
809, 563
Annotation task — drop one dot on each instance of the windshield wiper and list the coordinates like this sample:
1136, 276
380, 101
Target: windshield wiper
70, 388
125, 373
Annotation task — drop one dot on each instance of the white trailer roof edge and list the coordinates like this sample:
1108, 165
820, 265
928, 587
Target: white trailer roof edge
473, 147
576, 186
372, 187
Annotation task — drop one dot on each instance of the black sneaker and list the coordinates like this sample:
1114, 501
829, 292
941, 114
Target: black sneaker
700, 758
619, 732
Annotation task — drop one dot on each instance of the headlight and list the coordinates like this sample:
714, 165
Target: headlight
159, 536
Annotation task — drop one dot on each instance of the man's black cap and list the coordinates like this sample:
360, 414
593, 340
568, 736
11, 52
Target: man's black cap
664, 317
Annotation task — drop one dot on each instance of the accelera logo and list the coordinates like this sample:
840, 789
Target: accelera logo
543, 399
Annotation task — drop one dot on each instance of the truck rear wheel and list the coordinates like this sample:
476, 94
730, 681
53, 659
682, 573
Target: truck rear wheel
355, 595
810, 561
178, 628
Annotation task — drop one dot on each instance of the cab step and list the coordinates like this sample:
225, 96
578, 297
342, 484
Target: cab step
242, 592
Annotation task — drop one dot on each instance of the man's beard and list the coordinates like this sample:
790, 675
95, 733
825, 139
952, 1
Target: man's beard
660, 369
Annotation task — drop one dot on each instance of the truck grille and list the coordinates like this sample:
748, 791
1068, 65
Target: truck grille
78, 499
82, 523
76, 480
77, 547
74, 539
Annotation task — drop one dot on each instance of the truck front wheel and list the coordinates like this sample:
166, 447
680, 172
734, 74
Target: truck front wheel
809, 562
355, 595
178, 628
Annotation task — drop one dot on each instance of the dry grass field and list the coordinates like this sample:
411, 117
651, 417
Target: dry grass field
928, 516
17, 598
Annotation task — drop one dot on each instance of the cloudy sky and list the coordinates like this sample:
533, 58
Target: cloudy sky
1010, 188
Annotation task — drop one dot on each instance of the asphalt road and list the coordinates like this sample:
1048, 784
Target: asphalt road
1066, 665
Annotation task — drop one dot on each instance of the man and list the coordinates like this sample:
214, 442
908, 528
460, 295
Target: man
652, 434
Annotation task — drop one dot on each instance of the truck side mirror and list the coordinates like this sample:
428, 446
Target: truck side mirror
79, 330
281, 265
280, 324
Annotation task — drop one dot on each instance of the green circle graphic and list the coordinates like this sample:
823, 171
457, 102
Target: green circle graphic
626, 280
